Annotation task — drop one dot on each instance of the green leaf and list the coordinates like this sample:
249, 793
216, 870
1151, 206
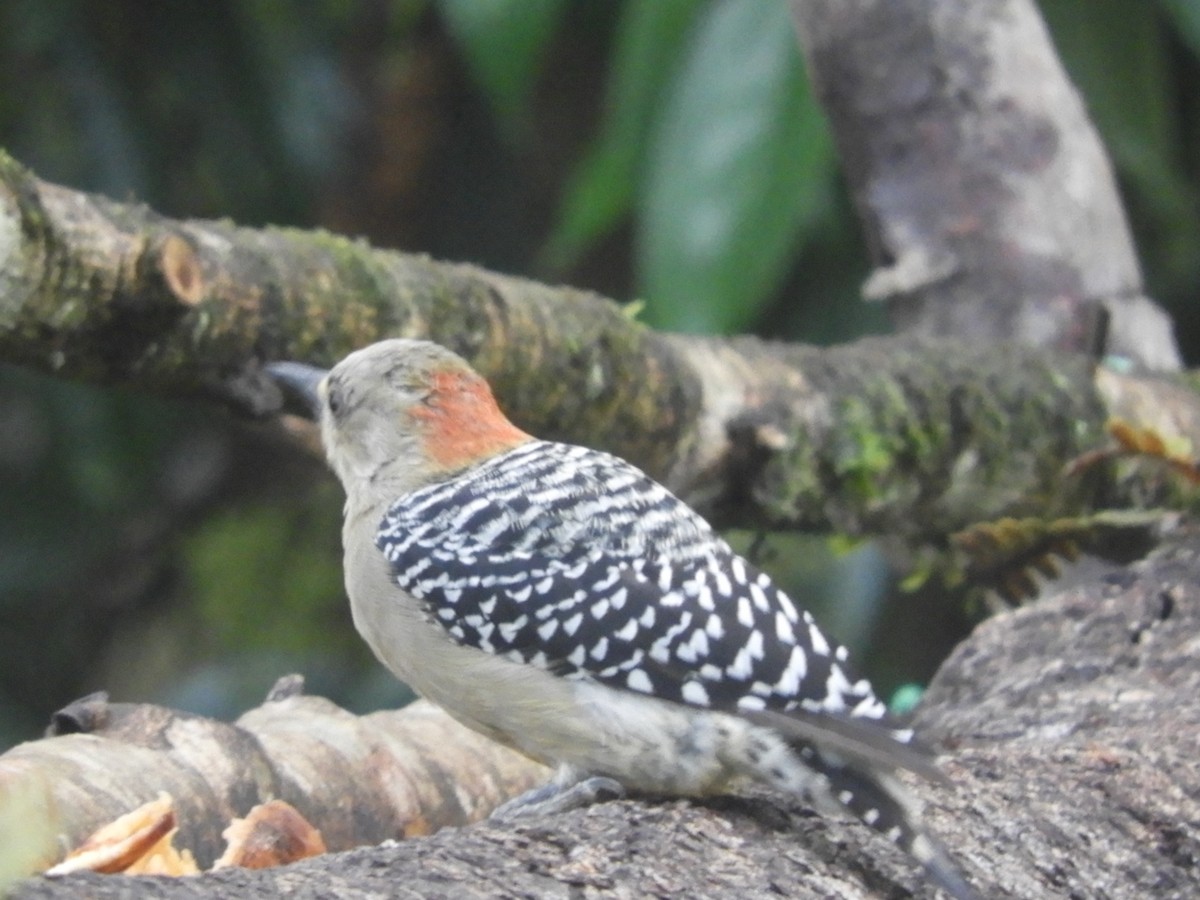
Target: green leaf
1186, 15
649, 38
265, 577
1117, 54
739, 163
504, 42
1114, 51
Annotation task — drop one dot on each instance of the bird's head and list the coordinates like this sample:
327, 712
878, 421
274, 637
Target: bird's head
400, 414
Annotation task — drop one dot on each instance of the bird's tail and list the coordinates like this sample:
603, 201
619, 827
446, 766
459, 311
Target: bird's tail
852, 763
882, 802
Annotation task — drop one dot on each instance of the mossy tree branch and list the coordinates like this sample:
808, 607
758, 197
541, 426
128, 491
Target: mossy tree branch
900, 436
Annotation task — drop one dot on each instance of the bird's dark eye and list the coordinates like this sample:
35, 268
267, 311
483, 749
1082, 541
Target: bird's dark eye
333, 399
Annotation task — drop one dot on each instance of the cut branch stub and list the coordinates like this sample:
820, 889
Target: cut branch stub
109, 292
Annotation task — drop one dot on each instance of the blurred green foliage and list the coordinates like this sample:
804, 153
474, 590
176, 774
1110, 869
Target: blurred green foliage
739, 165
80, 475
662, 150
504, 43
253, 589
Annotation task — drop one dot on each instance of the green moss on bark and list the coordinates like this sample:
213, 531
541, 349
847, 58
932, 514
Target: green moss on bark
923, 438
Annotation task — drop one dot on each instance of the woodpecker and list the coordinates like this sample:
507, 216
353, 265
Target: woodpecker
560, 601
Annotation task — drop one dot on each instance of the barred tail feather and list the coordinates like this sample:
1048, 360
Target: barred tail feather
848, 764
866, 742
882, 802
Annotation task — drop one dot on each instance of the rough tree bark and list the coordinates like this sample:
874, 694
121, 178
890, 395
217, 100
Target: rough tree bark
357, 779
987, 200
907, 437
1069, 730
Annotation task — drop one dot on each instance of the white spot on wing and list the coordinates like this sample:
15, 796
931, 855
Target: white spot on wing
638, 680
783, 629
745, 615
759, 596
664, 578
660, 652
754, 645
738, 567
869, 708
797, 668
820, 646
723, 584
837, 686
714, 627
694, 692
628, 631
740, 668
508, 630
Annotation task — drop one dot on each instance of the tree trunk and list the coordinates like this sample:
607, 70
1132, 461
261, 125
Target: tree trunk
987, 200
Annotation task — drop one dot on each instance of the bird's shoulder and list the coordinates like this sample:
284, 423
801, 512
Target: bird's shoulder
547, 499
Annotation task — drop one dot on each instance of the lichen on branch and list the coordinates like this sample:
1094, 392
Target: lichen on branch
897, 436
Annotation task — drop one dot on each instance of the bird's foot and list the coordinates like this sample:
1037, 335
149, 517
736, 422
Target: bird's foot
554, 797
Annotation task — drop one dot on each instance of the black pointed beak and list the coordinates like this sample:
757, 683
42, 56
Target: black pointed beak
300, 381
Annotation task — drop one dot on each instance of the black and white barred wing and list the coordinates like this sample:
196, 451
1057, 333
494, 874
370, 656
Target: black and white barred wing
573, 560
